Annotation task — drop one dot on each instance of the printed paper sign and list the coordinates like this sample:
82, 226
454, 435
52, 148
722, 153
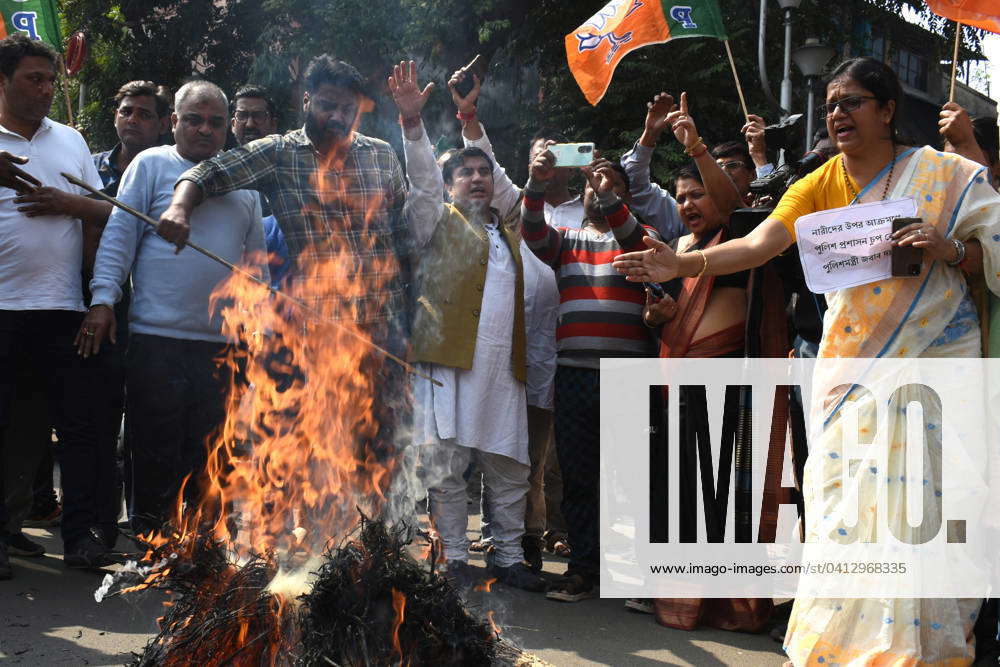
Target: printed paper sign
849, 246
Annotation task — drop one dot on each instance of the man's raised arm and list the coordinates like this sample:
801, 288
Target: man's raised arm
649, 200
543, 240
424, 201
505, 193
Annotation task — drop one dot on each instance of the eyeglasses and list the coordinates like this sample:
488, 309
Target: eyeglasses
732, 165
258, 116
846, 104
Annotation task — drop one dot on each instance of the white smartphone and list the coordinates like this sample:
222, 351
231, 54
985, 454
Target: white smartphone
573, 155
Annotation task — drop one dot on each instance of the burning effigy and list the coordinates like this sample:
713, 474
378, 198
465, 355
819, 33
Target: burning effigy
368, 603
266, 560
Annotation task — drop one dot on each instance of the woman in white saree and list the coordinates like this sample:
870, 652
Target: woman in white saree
929, 315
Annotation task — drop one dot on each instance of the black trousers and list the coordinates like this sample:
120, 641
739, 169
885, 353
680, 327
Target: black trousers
578, 446
108, 410
176, 402
41, 341
28, 443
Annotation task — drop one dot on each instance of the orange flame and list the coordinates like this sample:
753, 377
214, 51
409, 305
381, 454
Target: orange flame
493, 626
485, 586
302, 446
398, 605
295, 456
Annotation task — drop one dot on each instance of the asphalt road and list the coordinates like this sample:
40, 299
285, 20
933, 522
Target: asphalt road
48, 616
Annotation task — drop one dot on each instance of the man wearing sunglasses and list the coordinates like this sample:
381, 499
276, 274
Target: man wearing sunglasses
175, 391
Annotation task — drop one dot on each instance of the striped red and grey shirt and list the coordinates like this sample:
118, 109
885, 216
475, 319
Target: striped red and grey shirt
600, 313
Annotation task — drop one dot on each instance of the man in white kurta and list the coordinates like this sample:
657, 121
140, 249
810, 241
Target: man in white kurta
478, 409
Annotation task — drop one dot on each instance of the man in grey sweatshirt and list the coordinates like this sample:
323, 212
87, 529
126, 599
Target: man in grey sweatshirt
175, 388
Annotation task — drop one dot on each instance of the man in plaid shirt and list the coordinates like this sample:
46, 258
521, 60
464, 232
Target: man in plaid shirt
332, 190
337, 195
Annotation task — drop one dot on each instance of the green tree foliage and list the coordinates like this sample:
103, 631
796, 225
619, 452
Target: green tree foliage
528, 83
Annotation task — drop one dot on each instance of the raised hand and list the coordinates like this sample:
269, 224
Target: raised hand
656, 265
543, 167
683, 125
955, 125
465, 103
600, 174
656, 113
754, 133
405, 89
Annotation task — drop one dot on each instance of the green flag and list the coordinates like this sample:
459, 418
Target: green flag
694, 18
38, 19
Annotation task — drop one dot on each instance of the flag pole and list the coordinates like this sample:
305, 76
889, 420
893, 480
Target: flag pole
65, 87
954, 60
739, 88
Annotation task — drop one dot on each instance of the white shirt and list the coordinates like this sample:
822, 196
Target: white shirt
484, 407
764, 170
41, 258
506, 195
567, 214
541, 312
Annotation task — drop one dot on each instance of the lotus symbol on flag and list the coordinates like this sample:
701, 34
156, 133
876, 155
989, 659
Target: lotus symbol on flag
594, 49
590, 42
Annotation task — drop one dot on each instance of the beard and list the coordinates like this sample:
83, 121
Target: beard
476, 211
332, 127
592, 208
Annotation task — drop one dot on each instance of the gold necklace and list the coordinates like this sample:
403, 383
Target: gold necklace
885, 190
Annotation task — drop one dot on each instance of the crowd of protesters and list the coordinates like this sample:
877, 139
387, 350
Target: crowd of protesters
507, 300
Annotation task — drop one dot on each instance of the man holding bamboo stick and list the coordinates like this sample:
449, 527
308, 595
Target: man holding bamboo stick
175, 393
339, 197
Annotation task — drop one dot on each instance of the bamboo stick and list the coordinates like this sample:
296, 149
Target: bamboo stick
739, 88
235, 269
954, 60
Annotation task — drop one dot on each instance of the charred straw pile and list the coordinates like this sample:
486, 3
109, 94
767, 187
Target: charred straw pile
220, 613
363, 590
371, 603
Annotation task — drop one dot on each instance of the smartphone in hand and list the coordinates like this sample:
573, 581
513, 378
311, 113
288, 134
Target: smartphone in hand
573, 155
906, 260
464, 87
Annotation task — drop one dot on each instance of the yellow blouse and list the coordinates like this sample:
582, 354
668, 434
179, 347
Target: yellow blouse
823, 189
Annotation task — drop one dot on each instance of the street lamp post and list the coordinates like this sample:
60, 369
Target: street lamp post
786, 82
811, 58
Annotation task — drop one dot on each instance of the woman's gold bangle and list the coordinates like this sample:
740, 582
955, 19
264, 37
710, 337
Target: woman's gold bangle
704, 263
698, 144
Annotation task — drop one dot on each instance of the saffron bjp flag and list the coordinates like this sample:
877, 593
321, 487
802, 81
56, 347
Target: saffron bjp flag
622, 26
983, 14
38, 19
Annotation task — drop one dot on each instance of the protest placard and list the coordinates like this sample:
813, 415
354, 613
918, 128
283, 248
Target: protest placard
849, 246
